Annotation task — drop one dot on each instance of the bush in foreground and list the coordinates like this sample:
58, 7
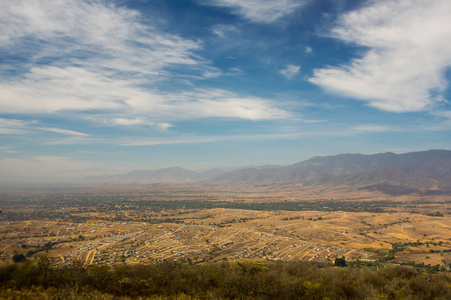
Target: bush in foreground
235, 280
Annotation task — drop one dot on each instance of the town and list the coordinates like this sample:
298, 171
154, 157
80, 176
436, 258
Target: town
98, 228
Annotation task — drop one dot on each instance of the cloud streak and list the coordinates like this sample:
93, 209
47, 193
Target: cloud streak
13, 126
64, 131
259, 11
290, 71
20, 127
409, 49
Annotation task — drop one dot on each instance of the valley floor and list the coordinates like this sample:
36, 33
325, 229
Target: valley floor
99, 228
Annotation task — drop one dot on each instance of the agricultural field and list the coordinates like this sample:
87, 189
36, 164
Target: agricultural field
98, 227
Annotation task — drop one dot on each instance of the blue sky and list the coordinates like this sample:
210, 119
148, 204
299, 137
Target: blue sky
111, 86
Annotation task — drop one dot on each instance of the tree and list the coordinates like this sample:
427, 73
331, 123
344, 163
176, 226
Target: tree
18, 257
340, 262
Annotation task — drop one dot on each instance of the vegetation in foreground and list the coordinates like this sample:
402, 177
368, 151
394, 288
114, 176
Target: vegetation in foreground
226, 280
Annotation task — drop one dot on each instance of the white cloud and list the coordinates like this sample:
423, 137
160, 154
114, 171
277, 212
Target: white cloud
308, 49
290, 71
69, 88
280, 133
77, 90
95, 53
223, 30
8, 150
443, 123
209, 139
64, 131
374, 128
137, 121
164, 126
409, 48
128, 121
90, 32
101, 59
261, 11
444, 113
213, 73
221, 103
14, 126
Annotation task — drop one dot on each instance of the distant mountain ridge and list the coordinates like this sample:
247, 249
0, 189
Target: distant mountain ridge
169, 175
415, 171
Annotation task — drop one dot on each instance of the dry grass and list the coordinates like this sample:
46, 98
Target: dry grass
226, 234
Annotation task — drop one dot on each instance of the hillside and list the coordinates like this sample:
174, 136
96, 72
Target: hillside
415, 172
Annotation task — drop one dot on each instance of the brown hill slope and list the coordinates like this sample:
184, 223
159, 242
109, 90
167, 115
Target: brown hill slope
415, 171
420, 170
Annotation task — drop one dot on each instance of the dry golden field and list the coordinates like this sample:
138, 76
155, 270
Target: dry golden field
198, 225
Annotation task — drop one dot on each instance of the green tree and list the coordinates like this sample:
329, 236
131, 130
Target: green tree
340, 262
18, 257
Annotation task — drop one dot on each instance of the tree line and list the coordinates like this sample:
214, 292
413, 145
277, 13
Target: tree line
224, 280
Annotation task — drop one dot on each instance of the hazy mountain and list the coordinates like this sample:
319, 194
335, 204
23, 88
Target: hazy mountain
398, 173
420, 170
168, 175
433, 165
247, 175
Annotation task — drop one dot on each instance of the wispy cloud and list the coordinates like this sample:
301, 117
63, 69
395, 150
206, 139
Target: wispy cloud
137, 122
130, 121
409, 48
198, 139
153, 109
91, 56
64, 131
68, 88
261, 11
374, 128
290, 71
281, 133
223, 30
83, 55
222, 103
444, 114
164, 126
13, 126
8, 150
91, 33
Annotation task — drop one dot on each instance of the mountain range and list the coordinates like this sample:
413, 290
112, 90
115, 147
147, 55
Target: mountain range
416, 172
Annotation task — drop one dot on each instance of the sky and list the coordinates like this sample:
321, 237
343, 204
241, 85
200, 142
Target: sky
102, 87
